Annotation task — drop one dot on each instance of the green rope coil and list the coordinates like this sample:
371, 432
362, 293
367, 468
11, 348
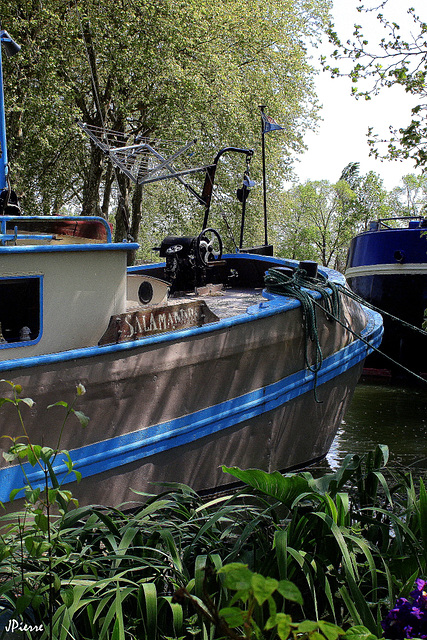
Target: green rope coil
301, 287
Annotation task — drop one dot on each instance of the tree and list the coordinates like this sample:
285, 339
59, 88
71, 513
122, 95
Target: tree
397, 59
411, 195
168, 69
371, 201
319, 222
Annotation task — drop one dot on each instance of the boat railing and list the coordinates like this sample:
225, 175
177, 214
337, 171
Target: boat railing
412, 222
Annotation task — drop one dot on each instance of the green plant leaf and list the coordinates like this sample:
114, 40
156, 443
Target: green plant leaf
4, 400
28, 401
285, 488
263, 587
147, 600
290, 591
60, 403
237, 576
33, 454
67, 597
331, 631
32, 495
359, 632
10, 456
284, 625
233, 616
81, 417
14, 493
315, 635
23, 602
120, 633
42, 522
422, 515
307, 626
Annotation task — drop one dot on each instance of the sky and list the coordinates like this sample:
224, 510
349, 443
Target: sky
342, 135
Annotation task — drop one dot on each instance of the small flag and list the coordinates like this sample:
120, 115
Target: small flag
269, 123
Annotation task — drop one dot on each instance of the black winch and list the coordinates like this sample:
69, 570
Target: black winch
189, 258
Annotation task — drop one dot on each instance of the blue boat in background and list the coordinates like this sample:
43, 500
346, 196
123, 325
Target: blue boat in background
387, 266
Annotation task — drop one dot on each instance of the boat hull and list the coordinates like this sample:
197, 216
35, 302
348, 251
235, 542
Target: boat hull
293, 435
175, 406
405, 297
388, 268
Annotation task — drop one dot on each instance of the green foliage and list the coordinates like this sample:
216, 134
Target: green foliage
318, 219
318, 222
171, 70
348, 533
398, 58
290, 556
253, 593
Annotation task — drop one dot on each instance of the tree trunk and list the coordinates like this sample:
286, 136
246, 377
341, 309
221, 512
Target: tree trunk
136, 219
122, 211
90, 205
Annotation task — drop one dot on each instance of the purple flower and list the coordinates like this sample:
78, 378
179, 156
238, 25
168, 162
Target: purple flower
408, 618
420, 584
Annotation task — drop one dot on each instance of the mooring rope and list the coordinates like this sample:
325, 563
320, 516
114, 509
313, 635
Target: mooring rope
351, 294
301, 287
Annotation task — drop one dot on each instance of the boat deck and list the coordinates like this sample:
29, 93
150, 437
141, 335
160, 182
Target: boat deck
225, 303
228, 302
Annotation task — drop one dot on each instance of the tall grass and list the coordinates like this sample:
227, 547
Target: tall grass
330, 552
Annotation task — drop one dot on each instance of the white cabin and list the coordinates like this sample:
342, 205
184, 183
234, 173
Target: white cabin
58, 294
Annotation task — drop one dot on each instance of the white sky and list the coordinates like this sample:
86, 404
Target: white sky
341, 137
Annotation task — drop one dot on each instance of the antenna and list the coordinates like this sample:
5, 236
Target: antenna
146, 159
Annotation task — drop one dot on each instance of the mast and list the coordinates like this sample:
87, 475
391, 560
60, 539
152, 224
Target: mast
10, 48
264, 184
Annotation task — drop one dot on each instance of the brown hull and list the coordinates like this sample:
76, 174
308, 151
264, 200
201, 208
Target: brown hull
295, 435
143, 388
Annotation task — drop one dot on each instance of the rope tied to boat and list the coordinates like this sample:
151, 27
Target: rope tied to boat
296, 285
351, 294
303, 287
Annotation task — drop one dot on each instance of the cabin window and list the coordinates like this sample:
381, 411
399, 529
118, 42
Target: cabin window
20, 311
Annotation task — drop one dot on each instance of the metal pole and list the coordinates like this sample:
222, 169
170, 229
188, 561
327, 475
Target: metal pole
10, 48
242, 226
3, 149
210, 177
264, 184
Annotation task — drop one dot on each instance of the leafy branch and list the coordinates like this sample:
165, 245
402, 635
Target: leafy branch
395, 60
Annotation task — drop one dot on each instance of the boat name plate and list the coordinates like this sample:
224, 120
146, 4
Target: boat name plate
138, 324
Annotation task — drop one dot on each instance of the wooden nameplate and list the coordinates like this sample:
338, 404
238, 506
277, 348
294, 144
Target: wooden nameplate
153, 320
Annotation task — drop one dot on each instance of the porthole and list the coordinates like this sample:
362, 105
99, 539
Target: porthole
145, 292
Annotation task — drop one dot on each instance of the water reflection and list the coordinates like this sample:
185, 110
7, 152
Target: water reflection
381, 414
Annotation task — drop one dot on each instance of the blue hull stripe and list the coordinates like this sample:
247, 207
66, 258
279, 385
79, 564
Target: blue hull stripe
124, 449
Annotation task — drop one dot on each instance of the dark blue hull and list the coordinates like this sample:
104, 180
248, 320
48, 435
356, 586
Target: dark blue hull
388, 268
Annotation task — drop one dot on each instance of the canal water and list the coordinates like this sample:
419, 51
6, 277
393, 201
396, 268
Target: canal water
385, 414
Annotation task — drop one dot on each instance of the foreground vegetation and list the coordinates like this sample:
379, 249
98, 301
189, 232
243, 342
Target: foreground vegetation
284, 556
